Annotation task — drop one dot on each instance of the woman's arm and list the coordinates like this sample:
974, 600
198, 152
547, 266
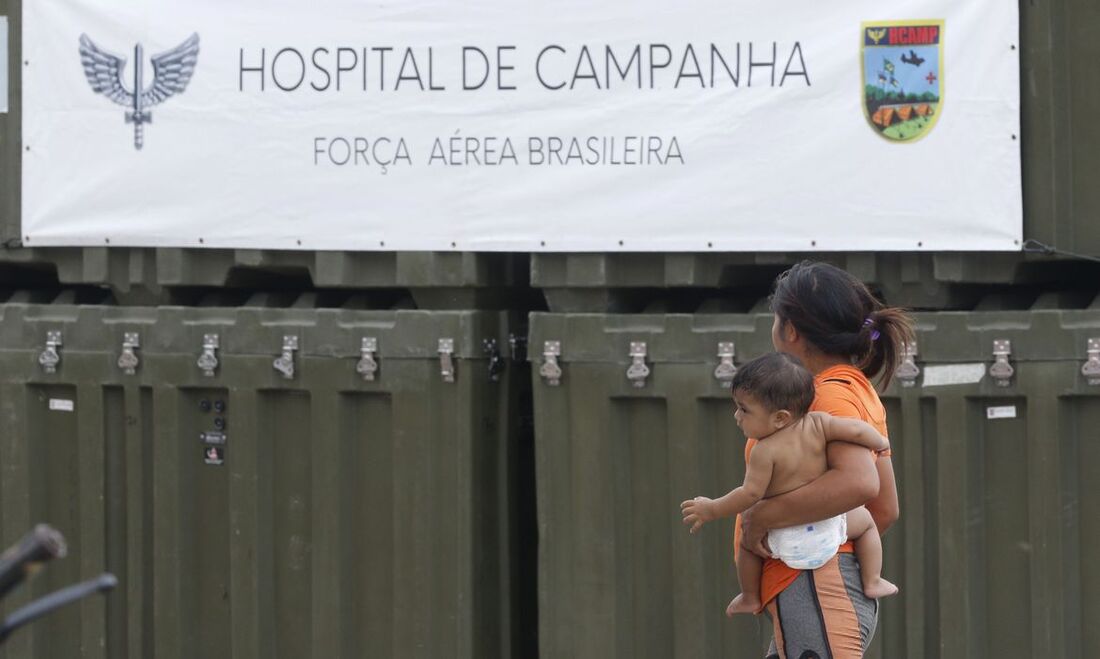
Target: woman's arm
851, 481
884, 508
853, 431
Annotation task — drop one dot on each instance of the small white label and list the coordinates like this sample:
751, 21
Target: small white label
942, 375
61, 405
1001, 412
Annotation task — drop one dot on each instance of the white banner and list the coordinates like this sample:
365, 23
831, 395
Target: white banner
550, 125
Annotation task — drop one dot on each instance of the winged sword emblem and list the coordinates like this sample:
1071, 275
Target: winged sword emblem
172, 71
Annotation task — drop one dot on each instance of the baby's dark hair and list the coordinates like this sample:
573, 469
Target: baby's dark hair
778, 381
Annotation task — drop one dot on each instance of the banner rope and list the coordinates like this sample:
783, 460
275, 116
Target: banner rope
1032, 246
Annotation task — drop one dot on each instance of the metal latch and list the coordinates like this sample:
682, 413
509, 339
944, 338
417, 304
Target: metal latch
726, 370
128, 361
550, 370
1091, 368
518, 345
446, 361
908, 371
368, 365
284, 363
50, 358
208, 360
638, 371
496, 361
1000, 370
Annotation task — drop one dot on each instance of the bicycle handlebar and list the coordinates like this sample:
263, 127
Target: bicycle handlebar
41, 544
54, 600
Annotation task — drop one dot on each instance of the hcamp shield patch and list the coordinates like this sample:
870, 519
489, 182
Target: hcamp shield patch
902, 77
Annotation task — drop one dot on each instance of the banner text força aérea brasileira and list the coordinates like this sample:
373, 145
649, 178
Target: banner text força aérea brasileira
553, 67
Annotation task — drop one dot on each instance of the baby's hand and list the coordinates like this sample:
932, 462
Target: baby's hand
697, 512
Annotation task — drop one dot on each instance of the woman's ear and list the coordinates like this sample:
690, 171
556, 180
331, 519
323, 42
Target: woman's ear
790, 333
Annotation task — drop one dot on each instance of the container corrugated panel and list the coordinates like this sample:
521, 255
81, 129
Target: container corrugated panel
1059, 92
11, 129
619, 576
996, 485
349, 518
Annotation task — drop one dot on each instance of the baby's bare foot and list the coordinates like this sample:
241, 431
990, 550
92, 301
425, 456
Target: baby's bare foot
879, 588
743, 604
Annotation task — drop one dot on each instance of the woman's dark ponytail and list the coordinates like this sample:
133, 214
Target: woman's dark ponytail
893, 329
836, 313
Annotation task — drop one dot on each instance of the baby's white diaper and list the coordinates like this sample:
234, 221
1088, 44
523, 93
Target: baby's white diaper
809, 546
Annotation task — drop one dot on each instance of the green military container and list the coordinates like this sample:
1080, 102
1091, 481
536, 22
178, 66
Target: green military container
997, 466
135, 276
265, 482
991, 422
1059, 89
619, 576
664, 283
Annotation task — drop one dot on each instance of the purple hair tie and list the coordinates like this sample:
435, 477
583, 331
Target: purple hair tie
867, 322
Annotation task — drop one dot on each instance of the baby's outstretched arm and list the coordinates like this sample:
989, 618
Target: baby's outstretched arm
854, 431
758, 473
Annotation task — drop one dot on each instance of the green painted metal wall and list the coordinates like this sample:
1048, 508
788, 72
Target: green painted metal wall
350, 518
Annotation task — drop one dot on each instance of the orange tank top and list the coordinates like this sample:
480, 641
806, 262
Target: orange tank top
840, 391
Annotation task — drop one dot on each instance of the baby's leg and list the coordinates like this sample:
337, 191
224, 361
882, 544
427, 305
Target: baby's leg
749, 567
862, 529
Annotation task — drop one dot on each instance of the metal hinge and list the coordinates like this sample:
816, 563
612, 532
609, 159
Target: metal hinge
208, 360
908, 371
496, 360
368, 365
1000, 370
725, 370
1091, 368
284, 363
638, 371
50, 357
128, 361
446, 359
550, 369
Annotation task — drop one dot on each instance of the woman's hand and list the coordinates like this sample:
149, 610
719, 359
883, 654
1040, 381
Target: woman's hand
754, 536
884, 507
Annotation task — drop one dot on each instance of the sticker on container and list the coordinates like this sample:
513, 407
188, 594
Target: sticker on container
212, 437
61, 405
1001, 412
213, 455
943, 375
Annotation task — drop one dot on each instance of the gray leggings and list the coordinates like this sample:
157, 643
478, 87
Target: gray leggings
823, 614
